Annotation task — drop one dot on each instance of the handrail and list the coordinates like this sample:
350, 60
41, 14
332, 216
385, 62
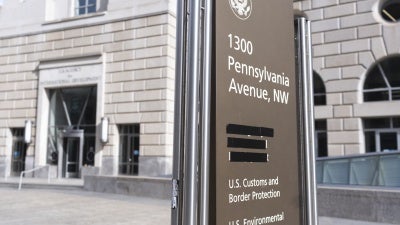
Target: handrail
32, 170
371, 169
354, 156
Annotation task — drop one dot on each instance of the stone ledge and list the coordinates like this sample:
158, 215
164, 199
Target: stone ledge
374, 204
136, 186
80, 17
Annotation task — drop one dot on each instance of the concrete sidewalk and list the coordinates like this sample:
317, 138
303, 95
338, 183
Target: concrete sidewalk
51, 207
75, 207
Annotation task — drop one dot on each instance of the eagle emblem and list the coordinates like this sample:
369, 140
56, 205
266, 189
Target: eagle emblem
241, 8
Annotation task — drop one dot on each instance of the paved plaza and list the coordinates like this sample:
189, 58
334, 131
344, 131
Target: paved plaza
50, 207
75, 207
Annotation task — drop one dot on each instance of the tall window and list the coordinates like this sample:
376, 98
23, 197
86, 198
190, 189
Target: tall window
321, 139
85, 7
319, 90
129, 142
18, 151
383, 81
382, 134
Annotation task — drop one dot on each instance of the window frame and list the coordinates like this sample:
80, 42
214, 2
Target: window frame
320, 95
18, 142
387, 91
385, 14
127, 133
378, 131
318, 133
86, 6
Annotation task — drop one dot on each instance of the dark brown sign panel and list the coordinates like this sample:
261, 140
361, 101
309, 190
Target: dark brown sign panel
257, 151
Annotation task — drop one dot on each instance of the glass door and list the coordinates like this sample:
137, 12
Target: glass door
71, 146
72, 129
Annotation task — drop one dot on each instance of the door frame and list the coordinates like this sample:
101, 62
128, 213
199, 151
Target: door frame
52, 75
63, 158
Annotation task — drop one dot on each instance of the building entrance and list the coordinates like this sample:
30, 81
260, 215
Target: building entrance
72, 130
71, 147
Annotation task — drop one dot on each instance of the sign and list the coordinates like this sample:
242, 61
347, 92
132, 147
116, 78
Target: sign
70, 76
256, 147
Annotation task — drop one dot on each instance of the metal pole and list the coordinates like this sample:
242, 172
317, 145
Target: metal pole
311, 158
306, 71
180, 80
206, 100
191, 130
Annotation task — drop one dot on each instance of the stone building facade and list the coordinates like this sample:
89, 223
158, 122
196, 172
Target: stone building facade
356, 52
66, 68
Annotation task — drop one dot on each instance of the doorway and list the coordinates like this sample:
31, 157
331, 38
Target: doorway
71, 149
72, 130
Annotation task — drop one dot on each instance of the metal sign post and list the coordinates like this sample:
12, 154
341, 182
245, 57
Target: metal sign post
304, 69
179, 119
243, 115
185, 201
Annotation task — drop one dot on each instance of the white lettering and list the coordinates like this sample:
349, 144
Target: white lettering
261, 74
250, 91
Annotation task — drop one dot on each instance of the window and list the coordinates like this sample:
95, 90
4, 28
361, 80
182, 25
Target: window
129, 142
390, 11
69, 10
319, 90
321, 139
85, 7
18, 151
383, 81
382, 134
